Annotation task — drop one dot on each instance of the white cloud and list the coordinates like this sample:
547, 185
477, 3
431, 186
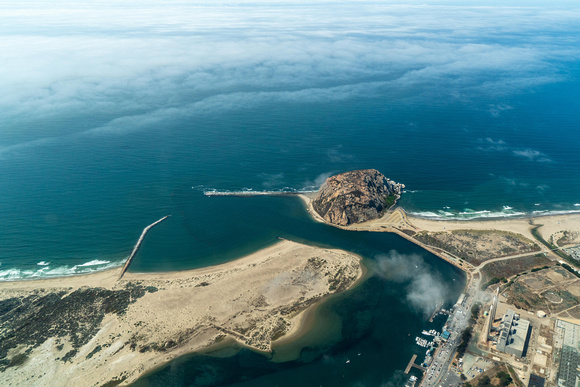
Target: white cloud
491, 145
336, 155
532, 155
496, 109
138, 60
272, 180
424, 287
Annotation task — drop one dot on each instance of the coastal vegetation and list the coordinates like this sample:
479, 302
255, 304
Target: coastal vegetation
390, 200
74, 316
497, 376
468, 332
478, 246
493, 281
509, 267
99, 325
551, 289
535, 232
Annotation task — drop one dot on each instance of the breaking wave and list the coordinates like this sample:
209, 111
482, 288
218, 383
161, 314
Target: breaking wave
49, 270
467, 214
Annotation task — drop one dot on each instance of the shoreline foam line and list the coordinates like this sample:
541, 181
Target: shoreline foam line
255, 193
138, 244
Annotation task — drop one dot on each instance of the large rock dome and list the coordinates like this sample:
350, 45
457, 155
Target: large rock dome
355, 196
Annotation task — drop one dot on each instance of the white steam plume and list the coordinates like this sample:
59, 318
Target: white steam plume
424, 288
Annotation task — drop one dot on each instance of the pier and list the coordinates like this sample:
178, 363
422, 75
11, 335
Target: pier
412, 364
138, 244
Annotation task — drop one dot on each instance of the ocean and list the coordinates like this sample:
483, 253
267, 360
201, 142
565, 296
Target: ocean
79, 204
115, 115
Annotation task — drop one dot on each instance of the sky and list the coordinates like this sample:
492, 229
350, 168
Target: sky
132, 63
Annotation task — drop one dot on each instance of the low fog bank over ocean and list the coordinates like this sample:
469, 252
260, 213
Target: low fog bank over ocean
115, 114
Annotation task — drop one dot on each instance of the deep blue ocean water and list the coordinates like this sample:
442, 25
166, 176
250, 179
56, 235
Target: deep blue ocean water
85, 200
113, 115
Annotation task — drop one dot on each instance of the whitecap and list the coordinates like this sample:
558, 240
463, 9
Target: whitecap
251, 192
14, 274
94, 262
43, 263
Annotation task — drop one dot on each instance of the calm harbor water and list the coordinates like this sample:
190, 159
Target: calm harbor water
364, 337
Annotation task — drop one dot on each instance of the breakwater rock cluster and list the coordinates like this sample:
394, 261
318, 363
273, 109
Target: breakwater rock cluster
356, 196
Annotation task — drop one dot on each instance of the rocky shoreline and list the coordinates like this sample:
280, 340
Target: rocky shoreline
356, 197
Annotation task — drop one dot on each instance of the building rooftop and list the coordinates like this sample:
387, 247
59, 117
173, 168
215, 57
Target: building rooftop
513, 334
568, 337
536, 381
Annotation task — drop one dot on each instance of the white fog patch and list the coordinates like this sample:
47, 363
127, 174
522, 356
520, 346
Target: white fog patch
140, 58
491, 145
318, 181
398, 379
336, 155
424, 287
272, 180
532, 155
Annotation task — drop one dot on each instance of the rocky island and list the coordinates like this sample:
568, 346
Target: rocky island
356, 197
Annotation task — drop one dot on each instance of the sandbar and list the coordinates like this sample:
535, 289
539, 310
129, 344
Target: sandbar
94, 329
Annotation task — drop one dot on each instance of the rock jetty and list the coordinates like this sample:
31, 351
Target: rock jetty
356, 196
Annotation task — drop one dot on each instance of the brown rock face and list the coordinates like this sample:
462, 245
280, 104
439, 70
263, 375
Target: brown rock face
355, 197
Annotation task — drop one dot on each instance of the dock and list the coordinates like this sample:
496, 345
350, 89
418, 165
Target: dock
138, 244
412, 364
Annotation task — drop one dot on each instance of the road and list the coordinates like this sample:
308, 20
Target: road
438, 373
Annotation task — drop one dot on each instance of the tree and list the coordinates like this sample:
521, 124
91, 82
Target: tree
504, 379
485, 381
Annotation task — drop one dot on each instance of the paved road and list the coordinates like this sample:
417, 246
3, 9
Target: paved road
438, 372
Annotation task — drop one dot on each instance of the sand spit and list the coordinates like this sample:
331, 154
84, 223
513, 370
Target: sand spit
90, 330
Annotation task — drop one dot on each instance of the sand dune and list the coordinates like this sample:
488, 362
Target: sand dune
89, 330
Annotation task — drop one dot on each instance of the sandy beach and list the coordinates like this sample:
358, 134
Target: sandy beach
94, 329
552, 226
560, 230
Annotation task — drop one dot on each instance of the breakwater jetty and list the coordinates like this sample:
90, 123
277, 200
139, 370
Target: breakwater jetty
138, 244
